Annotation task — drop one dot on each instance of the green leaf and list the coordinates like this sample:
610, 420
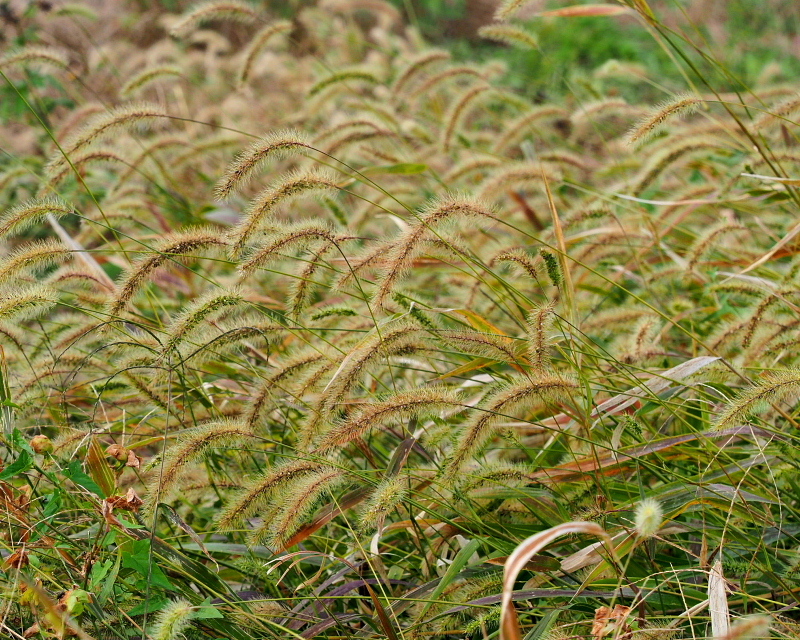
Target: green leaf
75, 473
403, 168
139, 558
148, 606
406, 168
20, 465
108, 585
99, 571
19, 441
542, 627
459, 562
206, 610
53, 504
128, 524
76, 601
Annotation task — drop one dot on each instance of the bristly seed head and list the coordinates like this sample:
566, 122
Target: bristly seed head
274, 145
680, 105
234, 10
648, 519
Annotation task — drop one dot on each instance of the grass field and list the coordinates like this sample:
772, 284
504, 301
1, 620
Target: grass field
347, 319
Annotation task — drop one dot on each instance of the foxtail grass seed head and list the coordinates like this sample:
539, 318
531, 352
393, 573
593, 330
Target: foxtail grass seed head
35, 256
385, 498
304, 284
521, 259
458, 113
192, 445
259, 43
401, 338
508, 8
449, 75
78, 161
348, 78
417, 66
648, 518
127, 116
540, 324
516, 396
753, 627
509, 34
148, 77
203, 12
31, 212
173, 620
333, 311
534, 119
483, 344
520, 175
272, 146
20, 304
679, 106
275, 245
426, 400
778, 113
553, 267
36, 56
668, 155
264, 205
299, 500
173, 247
196, 313
401, 257
773, 388
259, 492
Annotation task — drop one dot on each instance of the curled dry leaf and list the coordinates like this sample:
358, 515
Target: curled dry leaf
108, 514
129, 502
117, 451
17, 560
133, 460
509, 625
608, 621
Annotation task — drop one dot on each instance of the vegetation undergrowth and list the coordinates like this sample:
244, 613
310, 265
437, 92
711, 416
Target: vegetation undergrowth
310, 332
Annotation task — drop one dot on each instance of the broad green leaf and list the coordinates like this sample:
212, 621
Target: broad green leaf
206, 610
136, 555
75, 473
17, 439
20, 465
